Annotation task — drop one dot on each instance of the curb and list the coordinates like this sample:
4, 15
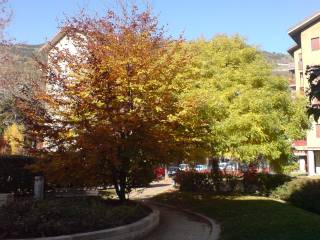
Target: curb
214, 235
133, 231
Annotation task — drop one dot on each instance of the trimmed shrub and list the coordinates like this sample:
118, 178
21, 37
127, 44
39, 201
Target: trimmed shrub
249, 182
303, 193
194, 181
262, 182
29, 219
269, 182
14, 175
234, 183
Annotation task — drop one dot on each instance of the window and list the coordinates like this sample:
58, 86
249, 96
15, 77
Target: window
318, 130
300, 64
301, 82
315, 44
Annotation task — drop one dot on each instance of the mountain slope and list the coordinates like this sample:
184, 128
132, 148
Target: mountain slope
281, 62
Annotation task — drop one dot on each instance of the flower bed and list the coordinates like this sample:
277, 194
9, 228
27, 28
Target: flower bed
54, 217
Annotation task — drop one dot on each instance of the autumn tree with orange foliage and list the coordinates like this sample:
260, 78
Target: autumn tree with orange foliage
108, 109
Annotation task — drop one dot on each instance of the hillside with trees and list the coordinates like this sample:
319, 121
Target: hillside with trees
277, 58
25, 52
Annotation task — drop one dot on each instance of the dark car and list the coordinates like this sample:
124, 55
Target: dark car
172, 171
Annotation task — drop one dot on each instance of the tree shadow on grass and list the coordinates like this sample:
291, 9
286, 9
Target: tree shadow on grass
251, 217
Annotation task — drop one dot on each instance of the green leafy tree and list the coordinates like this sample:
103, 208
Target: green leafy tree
235, 104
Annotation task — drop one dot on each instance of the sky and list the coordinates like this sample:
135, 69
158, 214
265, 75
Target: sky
264, 23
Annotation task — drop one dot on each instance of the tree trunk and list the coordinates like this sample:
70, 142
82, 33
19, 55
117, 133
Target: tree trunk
122, 195
121, 192
120, 174
120, 186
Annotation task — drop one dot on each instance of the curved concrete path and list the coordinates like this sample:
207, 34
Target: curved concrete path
178, 225
154, 189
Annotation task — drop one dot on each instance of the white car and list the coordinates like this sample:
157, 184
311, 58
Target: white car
223, 165
229, 166
184, 167
201, 168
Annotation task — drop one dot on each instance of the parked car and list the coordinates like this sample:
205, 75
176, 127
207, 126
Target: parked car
159, 173
201, 168
184, 167
222, 165
172, 171
228, 166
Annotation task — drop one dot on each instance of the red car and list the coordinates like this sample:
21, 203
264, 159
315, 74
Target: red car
159, 172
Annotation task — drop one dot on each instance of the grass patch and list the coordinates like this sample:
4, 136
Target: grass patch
250, 217
61, 216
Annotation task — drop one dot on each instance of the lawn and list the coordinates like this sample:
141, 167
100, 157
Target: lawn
250, 217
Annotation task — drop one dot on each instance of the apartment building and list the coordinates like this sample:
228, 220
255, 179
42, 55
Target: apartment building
306, 52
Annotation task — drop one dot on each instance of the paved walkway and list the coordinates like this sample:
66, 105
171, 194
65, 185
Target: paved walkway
174, 224
154, 189
177, 225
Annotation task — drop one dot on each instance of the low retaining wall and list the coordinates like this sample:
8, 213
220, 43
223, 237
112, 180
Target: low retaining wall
133, 231
69, 192
4, 198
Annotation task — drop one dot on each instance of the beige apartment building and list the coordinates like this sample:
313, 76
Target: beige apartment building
306, 52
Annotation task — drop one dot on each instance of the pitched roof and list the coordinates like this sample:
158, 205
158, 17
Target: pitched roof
295, 31
50, 44
292, 49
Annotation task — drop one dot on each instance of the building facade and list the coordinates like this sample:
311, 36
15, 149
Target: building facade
306, 52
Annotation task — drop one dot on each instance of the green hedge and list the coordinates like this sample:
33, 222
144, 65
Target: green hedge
251, 182
303, 193
195, 182
14, 176
263, 182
